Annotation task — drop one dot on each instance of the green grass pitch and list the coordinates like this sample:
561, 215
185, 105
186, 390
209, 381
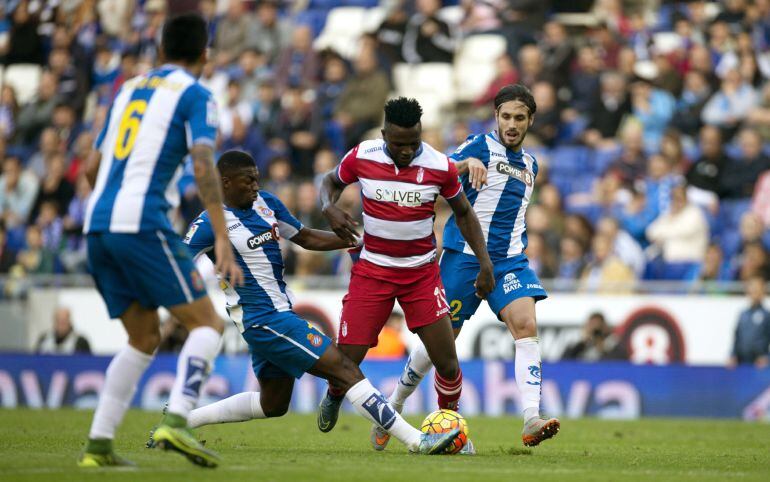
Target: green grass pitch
43, 445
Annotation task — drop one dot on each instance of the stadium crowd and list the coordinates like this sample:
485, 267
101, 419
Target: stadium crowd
652, 129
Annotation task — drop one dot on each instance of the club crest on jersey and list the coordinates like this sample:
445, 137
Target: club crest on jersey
402, 198
265, 211
420, 174
522, 175
191, 233
255, 242
314, 339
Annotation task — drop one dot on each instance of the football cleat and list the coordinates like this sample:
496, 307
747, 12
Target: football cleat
328, 412
537, 429
379, 438
468, 449
436, 443
183, 441
89, 460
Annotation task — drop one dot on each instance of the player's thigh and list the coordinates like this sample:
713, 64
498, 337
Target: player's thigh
284, 346
275, 394
114, 284
514, 297
163, 273
198, 313
365, 310
458, 274
143, 327
439, 341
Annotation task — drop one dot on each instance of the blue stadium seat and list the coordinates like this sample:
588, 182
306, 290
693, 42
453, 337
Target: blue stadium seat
359, 3
730, 241
601, 159
569, 160
730, 212
315, 18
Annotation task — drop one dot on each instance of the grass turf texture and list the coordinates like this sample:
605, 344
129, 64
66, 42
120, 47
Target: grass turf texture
43, 446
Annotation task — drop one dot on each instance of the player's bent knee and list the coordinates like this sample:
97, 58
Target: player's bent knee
274, 411
145, 342
448, 369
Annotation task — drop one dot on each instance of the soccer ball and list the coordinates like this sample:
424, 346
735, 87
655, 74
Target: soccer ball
444, 420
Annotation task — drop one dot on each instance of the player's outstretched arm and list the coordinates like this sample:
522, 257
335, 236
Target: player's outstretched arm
477, 171
320, 240
470, 228
210, 192
341, 222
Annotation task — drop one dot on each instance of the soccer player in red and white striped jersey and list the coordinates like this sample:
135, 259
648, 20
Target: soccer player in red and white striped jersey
400, 178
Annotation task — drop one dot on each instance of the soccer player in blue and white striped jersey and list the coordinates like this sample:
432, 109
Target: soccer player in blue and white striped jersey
498, 177
138, 262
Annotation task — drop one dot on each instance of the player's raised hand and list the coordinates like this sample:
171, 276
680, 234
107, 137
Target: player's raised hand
477, 173
485, 281
342, 224
226, 265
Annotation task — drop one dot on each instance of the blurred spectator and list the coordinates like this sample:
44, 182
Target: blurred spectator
659, 183
267, 109
505, 74
231, 34
390, 345
545, 128
558, 52
681, 234
298, 63
54, 187
584, 81
428, 38
62, 339
252, 70
268, 33
714, 267
605, 272
692, 100
571, 260
531, 66
390, 33
624, 246
25, 44
752, 332
35, 258
597, 343
359, 106
18, 190
325, 160
278, 175
297, 129
7, 254
742, 173
632, 161
522, 19
608, 111
74, 257
759, 115
754, 261
36, 115
308, 211
706, 172
731, 104
481, 16
48, 146
234, 110
9, 109
73, 85
654, 108
51, 226
541, 258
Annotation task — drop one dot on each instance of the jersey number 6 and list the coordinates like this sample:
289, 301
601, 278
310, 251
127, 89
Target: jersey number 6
129, 128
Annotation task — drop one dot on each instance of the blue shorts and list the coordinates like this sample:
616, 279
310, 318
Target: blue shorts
514, 279
153, 268
284, 345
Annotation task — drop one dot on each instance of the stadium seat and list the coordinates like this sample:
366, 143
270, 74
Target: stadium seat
569, 160
474, 65
452, 15
343, 28
424, 83
601, 159
24, 78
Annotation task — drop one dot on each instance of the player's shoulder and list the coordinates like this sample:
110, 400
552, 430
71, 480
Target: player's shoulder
473, 141
431, 158
271, 201
268, 197
530, 158
371, 150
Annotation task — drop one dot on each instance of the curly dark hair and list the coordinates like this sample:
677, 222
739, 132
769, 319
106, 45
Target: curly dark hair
403, 112
516, 92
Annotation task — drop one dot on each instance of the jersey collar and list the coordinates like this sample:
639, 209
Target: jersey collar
517, 155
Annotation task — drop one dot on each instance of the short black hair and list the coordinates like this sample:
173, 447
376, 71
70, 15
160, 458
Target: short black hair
234, 160
516, 92
184, 38
403, 112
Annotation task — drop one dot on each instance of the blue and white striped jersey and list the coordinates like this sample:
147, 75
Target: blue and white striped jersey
254, 234
153, 121
501, 204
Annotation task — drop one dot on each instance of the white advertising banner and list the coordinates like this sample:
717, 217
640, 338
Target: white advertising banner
696, 330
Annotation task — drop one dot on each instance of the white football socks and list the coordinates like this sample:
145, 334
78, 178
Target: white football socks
238, 408
417, 366
192, 369
527, 369
120, 382
370, 403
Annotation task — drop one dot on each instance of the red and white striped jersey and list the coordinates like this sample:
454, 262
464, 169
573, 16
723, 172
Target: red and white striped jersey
398, 205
